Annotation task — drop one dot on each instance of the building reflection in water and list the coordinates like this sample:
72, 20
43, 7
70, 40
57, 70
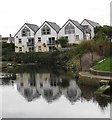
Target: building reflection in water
47, 85
26, 85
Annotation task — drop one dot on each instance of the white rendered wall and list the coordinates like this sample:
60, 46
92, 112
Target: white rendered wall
71, 37
44, 38
23, 39
91, 27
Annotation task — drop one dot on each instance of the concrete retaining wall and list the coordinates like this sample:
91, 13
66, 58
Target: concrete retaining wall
101, 73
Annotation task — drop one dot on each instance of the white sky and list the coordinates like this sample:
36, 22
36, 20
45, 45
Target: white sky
14, 13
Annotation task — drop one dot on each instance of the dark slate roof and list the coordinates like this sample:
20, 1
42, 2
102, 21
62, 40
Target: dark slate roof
32, 26
53, 25
94, 24
77, 24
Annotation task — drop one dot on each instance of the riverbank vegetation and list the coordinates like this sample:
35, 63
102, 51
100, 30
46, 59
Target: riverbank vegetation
87, 53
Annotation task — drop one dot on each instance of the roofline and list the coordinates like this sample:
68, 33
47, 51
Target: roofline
89, 22
31, 24
48, 24
66, 23
28, 26
51, 26
76, 25
19, 30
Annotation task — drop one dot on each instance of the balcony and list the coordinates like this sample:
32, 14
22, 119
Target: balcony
30, 43
51, 43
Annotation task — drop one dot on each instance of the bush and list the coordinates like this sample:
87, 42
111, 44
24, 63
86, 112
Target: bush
7, 48
62, 41
41, 58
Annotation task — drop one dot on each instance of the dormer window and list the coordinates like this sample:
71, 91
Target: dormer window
69, 29
46, 30
25, 32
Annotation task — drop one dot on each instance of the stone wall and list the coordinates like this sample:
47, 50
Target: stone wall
101, 73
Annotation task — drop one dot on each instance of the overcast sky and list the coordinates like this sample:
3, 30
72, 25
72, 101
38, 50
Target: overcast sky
14, 13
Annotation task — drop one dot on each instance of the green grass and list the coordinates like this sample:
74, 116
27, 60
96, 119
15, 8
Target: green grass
4, 63
106, 65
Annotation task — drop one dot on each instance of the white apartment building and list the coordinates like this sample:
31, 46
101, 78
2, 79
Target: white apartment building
24, 38
31, 38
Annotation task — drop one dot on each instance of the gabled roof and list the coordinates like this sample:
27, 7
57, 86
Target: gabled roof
75, 23
94, 24
86, 28
51, 24
31, 26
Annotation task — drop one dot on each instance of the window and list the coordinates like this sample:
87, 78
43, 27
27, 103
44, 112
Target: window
16, 36
66, 37
77, 37
31, 40
51, 48
45, 30
69, 29
25, 32
20, 49
39, 48
48, 31
31, 49
52, 40
28, 33
19, 41
41, 85
39, 39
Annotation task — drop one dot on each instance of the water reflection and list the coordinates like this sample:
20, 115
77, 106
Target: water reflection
51, 87
47, 85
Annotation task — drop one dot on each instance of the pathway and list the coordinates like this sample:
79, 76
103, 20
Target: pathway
88, 74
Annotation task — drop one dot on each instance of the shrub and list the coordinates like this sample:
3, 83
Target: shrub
62, 41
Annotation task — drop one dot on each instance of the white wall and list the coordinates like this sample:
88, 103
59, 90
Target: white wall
71, 37
90, 26
24, 39
44, 38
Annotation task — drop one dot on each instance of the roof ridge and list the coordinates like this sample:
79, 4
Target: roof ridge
91, 21
54, 25
31, 24
50, 22
73, 20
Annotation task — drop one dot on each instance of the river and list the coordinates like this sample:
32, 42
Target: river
45, 93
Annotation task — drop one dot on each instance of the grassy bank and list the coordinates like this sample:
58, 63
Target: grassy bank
3, 63
105, 65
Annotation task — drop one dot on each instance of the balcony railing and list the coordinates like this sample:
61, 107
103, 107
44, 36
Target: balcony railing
30, 43
51, 43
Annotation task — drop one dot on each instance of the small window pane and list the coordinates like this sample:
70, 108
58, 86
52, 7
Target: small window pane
20, 49
20, 41
39, 39
77, 37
